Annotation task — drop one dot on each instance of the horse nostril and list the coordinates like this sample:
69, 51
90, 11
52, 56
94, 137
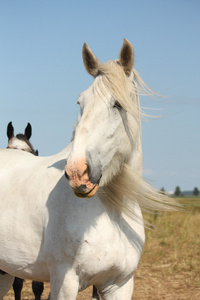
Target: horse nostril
66, 175
82, 187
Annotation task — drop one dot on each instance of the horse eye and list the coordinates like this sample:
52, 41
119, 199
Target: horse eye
117, 105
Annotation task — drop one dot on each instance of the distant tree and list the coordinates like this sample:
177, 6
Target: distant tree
195, 191
162, 190
177, 191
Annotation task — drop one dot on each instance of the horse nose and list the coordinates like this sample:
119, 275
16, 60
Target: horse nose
81, 188
78, 173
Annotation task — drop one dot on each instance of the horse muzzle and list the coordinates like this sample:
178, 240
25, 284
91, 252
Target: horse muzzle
77, 173
89, 194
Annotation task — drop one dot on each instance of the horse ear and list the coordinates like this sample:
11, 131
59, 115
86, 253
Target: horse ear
10, 131
28, 131
126, 57
90, 61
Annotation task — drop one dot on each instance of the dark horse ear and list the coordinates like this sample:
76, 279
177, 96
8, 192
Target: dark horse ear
90, 61
10, 131
126, 57
28, 131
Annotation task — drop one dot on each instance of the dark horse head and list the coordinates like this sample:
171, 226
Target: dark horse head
20, 141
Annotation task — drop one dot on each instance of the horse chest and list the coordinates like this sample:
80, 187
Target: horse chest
105, 251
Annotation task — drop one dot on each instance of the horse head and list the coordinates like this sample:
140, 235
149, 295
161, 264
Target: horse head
108, 128
20, 141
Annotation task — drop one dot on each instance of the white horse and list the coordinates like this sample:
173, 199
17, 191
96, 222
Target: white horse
75, 218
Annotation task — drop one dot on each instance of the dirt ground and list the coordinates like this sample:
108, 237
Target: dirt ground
147, 286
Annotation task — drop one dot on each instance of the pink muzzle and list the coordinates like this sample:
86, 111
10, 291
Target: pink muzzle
78, 177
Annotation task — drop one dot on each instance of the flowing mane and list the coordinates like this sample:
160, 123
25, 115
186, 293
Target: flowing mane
127, 188
128, 184
112, 77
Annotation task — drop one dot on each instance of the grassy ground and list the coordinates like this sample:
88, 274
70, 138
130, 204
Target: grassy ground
170, 264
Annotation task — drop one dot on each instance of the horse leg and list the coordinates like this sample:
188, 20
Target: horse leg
6, 282
37, 288
95, 295
17, 287
64, 283
119, 292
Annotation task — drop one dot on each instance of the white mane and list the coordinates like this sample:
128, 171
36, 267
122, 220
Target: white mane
128, 186
121, 87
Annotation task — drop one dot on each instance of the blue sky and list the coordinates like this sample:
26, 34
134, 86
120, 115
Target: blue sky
42, 74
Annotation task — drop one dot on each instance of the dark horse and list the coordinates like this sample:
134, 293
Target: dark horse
21, 142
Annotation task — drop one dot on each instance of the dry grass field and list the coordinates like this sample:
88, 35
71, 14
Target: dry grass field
170, 264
